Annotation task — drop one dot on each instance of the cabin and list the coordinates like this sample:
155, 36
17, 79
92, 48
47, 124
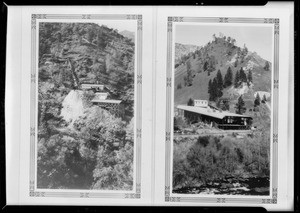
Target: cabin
114, 106
202, 111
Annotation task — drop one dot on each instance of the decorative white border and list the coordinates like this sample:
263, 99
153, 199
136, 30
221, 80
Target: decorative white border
272, 199
33, 192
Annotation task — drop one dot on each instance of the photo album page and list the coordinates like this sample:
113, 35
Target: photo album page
155, 106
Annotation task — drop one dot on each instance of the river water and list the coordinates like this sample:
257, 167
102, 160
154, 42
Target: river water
231, 186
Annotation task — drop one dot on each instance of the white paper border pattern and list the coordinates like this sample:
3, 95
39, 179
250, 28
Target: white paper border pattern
169, 88
138, 99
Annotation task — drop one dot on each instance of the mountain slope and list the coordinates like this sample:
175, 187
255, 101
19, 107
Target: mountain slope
222, 54
183, 50
75, 53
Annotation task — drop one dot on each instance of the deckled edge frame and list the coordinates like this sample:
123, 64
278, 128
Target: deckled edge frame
33, 192
169, 129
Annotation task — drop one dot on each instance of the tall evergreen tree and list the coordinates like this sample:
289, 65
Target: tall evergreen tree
213, 90
228, 78
257, 100
190, 102
219, 80
209, 86
267, 66
264, 99
243, 76
240, 106
237, 79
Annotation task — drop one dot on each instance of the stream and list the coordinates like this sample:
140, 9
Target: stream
231, 186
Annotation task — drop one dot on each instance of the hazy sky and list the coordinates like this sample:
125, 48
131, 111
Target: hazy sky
257, 39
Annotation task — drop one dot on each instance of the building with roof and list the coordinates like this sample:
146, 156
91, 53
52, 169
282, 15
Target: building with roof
202, 111
114, 106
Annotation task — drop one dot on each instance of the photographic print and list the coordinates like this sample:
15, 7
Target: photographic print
86, 105
222, 109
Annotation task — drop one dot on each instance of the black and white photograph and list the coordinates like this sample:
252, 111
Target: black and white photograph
86, 105
222, 109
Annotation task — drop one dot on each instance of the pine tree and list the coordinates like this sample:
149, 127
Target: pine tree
240, 106
243, 76
228, 78
257, 100
267, 66
237, 79
213, 90
219, 80
190, 102
264, 99
209, 86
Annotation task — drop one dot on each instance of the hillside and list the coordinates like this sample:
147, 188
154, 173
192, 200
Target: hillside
220, 54
181, 50
88, 53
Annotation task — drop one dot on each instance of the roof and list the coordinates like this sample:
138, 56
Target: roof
106, 101
92, 86
210, 112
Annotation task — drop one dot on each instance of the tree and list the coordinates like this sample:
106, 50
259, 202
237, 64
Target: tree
267, 66
219, 80
243, 76
257, 100
237, 79
240, 106
264, 99
250, 76
215, 91
190, 102
228, 78
209, 86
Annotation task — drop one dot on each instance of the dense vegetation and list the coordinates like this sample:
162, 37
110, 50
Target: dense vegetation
198, 161
95, 151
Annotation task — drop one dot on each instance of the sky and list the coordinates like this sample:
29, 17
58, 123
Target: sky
257, 38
